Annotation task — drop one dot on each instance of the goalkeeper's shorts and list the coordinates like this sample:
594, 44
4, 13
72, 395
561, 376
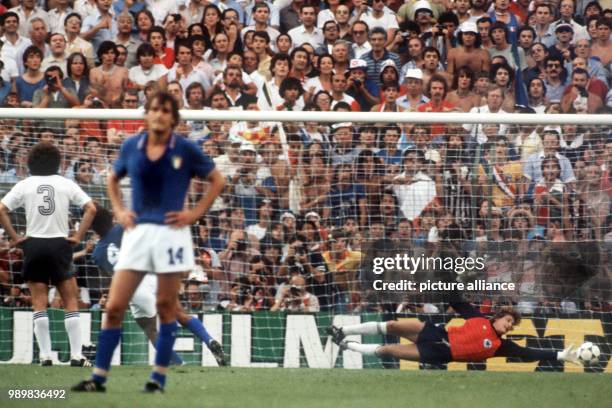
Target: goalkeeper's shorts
433, 345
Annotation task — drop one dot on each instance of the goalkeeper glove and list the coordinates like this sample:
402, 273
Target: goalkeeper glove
569, 354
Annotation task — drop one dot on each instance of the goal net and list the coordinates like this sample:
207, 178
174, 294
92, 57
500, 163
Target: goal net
342, 218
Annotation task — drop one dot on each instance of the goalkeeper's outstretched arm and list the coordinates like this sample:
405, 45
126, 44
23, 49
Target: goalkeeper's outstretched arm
511, 349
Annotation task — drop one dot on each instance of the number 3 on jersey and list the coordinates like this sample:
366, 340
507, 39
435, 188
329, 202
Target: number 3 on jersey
175, 256
48, 197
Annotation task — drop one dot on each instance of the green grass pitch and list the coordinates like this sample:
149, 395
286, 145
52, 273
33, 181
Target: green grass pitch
259, 387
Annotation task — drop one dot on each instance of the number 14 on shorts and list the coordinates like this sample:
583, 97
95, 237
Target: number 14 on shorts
175, 256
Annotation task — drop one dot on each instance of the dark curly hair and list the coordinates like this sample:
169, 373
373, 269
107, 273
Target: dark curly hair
44, 159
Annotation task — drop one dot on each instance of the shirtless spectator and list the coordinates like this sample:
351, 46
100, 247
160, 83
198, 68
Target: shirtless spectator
602, 47
112, 78
468, 53
463, 95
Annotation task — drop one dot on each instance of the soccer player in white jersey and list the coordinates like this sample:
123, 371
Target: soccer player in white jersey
157, 235
47, 246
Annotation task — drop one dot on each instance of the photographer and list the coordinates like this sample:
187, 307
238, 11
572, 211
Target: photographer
19, 296
240, 297
296, 259
295, 298
54, 94
363, 90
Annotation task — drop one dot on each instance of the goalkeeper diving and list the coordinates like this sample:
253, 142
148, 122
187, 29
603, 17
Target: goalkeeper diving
478, 339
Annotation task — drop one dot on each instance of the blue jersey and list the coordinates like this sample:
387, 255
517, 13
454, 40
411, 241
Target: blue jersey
160, 186
106, 251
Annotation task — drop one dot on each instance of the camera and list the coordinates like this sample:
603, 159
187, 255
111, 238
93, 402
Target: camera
243, 294
295, 290
405, 34
241, 245
295, 268
357, 82
97, 103
51, 81
440, 28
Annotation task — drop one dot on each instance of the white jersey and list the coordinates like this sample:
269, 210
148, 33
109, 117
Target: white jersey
46, 200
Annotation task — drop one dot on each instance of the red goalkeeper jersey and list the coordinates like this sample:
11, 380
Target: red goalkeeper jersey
476, 340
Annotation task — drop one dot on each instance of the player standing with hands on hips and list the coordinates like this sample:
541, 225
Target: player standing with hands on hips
157, 235
47, 246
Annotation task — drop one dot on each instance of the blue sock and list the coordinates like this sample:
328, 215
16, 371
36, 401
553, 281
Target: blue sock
108, 339
159, 378
196, 327
165, 343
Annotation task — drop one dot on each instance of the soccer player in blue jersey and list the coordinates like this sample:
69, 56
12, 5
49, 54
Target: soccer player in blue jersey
142, 304
156, 235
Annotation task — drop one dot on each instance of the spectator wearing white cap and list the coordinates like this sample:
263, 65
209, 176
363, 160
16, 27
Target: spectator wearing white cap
409, 9
423, 16
414, 96
197, 289
563, 47
468, 53
287, 220
363, 90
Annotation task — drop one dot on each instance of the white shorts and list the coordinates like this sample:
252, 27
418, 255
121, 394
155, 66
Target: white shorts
143, 300
156, 248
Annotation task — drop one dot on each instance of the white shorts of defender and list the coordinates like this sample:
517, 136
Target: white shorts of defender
156, 248
143, 302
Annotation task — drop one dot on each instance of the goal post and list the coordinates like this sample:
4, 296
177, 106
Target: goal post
346, 217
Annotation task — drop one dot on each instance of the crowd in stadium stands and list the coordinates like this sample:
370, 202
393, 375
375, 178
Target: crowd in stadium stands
304, 200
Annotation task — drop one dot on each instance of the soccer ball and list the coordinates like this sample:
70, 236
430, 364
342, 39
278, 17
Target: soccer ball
589, 353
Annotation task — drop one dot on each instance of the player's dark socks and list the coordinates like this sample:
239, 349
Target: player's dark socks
153, 387
88, 386
46, 363
217, 351
336, 334
196, 327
